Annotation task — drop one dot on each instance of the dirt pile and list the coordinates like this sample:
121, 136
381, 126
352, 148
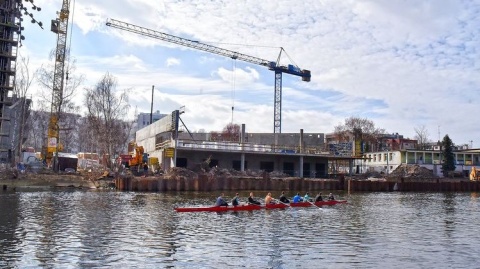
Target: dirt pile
411, 172
180, 172
220, 172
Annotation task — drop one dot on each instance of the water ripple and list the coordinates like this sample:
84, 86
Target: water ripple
105, 229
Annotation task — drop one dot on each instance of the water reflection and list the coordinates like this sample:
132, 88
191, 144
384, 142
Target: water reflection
79, 229
9, 240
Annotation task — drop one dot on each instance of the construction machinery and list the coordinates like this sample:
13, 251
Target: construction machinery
139, 157
271, 65
60, 27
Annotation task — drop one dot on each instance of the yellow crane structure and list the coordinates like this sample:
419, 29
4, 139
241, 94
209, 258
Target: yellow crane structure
60, 27
271, 65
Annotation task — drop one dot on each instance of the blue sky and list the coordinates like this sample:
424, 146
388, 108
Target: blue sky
400, 63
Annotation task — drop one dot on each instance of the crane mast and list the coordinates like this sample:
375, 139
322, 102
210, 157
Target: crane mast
271, 65
60, 27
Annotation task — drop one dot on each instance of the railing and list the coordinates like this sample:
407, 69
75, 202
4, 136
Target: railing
235, 146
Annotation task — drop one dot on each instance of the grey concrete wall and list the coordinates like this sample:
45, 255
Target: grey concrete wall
225, 160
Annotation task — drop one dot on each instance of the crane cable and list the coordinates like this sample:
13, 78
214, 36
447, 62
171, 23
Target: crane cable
234, 69
70, 41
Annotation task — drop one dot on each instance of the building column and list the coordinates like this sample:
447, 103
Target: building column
350, 164
242, 143
301, 167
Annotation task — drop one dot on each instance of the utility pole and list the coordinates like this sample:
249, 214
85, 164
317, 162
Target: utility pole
151, 106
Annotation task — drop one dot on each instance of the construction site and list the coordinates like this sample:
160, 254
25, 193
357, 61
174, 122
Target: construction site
165, 150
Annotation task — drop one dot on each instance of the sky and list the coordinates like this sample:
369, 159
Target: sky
402, 64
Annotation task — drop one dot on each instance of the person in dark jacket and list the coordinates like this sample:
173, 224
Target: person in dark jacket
145, 169
318, 198
235, 200
252, 201
283, 199
220, 201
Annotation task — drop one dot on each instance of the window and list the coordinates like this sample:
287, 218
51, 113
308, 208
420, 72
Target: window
236, 165
266, 166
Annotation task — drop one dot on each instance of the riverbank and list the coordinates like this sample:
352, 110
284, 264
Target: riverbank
205, 183
12, 180
179, 179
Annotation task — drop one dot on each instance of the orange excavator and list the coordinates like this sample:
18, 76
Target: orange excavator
138, 156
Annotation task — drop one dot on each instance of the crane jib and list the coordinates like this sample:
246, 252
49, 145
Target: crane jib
271, 65
290, 69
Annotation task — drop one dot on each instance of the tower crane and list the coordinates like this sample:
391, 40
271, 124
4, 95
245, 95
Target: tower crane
271, 65
60, 27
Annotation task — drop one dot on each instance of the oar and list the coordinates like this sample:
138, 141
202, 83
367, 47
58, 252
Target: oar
282, 202
315, 205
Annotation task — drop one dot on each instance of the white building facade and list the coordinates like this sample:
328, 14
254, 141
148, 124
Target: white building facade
387, 161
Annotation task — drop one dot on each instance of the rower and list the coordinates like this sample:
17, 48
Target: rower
220, 201
235, 200
252, 201
297, 198
331, 197
318, 198
269, 199
283, 199
306, 198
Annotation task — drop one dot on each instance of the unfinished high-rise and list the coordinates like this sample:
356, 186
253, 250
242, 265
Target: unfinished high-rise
10, 28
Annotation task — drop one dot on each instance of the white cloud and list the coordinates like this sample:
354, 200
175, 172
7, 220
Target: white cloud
402, 63
172, 62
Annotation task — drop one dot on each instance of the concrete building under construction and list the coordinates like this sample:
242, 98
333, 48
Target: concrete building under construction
297, 154
9, 36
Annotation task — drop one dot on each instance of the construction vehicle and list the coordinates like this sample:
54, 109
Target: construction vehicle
60, 27
154, 165
139, 157
271, 65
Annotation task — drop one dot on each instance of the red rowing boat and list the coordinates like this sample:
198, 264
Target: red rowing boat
219, 208
255, 207
305, 204
321, 203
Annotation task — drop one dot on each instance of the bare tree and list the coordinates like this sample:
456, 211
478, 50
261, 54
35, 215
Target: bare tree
69, 108
421, 135
20, 109
358, 129
231, 132
105, 109
38, 123
72, 81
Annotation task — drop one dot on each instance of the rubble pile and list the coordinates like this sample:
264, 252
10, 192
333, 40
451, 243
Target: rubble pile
411, 172
180, 172
277, 174
7, 172
220, 172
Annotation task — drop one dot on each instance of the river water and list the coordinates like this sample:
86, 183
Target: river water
110, 229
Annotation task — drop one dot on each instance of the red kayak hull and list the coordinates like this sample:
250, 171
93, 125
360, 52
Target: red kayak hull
219, 208
276, 206
321, 203
255, 207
